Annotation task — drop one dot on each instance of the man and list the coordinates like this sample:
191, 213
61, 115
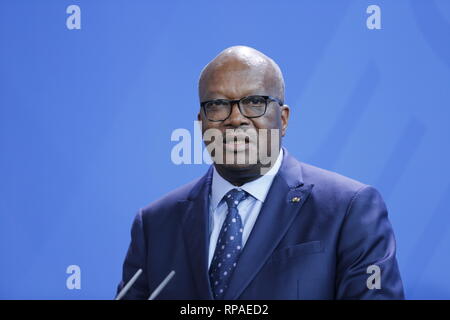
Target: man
292, 231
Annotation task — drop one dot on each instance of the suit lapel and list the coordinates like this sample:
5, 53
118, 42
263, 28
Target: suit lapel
284, 200
195, 227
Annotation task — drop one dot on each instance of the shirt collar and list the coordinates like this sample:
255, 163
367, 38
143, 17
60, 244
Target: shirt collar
257, 188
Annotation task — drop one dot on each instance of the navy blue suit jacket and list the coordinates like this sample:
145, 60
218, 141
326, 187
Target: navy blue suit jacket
317, 248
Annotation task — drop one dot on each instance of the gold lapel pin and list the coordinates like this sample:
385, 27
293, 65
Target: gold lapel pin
295, 199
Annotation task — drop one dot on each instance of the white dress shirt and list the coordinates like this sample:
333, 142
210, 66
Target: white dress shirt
248, 208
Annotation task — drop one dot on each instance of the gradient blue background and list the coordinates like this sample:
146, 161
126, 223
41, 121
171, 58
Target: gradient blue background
86, 118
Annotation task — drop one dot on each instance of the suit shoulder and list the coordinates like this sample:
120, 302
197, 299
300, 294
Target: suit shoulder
333, 192
329, 181
168, 201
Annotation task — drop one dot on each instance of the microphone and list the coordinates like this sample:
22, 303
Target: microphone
162, 285
129, 284
154, 294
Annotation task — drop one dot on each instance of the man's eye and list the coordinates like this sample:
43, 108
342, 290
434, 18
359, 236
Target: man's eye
253, 101
215, 105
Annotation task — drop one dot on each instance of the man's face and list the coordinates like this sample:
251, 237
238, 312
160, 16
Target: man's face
235, 82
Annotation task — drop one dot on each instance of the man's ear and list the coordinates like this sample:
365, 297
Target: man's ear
285, 111
199, 116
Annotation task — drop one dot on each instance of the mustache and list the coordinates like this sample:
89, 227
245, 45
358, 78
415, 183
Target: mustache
249, 135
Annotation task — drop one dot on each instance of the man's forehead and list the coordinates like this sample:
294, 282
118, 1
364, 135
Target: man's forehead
234, 84
233, 88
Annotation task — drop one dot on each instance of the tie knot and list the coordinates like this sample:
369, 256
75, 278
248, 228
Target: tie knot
233, 197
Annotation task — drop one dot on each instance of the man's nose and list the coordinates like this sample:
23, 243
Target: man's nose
236, 118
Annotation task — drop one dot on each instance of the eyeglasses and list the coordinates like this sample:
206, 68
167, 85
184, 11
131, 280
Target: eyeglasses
250, 107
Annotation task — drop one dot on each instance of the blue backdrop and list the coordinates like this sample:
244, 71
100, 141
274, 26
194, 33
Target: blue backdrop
86, 118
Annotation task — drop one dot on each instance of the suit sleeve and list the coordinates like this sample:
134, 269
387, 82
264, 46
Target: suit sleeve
135, 260
366, 263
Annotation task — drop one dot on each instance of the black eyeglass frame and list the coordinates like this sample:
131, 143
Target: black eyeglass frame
238, 101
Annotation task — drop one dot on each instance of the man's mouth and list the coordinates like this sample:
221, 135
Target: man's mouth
236, 146
236, 143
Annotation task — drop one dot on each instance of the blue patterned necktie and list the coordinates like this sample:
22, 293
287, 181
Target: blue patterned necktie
229, 245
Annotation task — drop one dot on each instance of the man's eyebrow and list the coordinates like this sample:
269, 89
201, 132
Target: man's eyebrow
213, 96
218, 96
